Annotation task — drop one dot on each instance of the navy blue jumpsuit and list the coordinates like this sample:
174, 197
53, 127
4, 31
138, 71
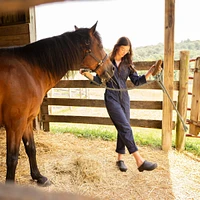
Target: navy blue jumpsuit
118, 105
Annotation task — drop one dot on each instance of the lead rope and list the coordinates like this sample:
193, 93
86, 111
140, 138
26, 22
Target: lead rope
158, 79
160, 82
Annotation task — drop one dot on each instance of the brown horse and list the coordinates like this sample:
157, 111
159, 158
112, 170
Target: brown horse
28, 72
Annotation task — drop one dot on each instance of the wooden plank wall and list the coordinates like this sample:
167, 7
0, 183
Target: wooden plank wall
45, 117
17, 28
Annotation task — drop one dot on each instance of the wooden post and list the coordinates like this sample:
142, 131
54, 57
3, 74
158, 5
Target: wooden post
32, 25
195, 107
168, 74
182, 99
50, 95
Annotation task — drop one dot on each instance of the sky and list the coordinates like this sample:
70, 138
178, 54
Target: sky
140, 20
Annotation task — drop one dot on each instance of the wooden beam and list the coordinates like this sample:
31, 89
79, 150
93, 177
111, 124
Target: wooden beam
168, 74
182, 99
15, 40
98, 103
13, 30
144, 123
87, 84
32, 25
195, 105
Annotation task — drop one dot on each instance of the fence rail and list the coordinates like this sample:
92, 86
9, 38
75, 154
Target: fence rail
45, 118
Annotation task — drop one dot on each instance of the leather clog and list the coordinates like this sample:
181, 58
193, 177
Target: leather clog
148, 166
122, 167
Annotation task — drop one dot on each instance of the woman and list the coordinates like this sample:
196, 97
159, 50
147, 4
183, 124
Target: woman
118, 102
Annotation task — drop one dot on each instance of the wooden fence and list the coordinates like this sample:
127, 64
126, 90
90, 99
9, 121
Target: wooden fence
17, 28
194, 120
45, 118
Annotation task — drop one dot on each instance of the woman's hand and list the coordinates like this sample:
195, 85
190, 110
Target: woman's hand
86, 73
154, 69
157, 68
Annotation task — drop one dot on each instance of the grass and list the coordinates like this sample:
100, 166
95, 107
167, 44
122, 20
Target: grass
86, 131
193, 146
143, 136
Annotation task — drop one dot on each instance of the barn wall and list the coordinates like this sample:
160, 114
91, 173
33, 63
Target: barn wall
17, 28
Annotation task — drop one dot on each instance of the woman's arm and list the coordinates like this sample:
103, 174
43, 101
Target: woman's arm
92, 78
149, 73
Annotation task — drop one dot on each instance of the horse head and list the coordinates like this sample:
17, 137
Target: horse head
95, 58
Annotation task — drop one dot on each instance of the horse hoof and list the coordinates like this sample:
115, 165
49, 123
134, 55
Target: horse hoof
44, 184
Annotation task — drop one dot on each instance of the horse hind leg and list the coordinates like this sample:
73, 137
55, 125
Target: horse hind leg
13, 140
29, 144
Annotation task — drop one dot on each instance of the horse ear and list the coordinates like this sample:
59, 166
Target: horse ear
93, 28
76, 28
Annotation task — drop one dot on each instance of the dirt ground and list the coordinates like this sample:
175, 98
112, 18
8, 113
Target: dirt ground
87, 167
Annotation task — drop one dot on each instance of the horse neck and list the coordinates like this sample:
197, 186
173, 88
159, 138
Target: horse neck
55, 56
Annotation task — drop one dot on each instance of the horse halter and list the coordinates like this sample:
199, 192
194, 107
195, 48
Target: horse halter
99, 62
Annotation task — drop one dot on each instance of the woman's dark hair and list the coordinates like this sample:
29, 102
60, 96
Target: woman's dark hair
123, 41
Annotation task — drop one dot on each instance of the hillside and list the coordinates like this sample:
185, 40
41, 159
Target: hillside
155, 52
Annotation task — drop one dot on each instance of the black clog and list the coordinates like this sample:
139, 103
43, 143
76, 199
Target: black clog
122, 167
148, 166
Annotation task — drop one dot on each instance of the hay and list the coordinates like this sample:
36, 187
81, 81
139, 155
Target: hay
87, 167
86, 170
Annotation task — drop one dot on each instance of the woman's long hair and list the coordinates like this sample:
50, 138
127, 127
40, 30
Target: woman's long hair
123, 41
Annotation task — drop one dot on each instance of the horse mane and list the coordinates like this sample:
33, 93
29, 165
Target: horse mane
59, 54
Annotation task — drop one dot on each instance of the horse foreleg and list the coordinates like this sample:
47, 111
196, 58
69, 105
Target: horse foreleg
29, 144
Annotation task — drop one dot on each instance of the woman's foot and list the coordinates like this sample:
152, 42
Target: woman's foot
120, 164
147, 166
